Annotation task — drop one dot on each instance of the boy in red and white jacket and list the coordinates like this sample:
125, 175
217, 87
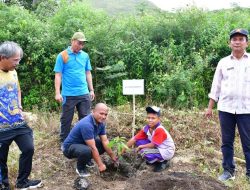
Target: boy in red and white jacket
153, 141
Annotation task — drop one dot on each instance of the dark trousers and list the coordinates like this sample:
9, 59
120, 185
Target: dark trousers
82, 104
228, 124
82, 152
24, 140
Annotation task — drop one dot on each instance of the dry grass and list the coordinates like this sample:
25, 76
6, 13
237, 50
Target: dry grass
196, 138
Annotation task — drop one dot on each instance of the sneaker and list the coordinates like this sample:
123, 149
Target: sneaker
151, 164
160, 166
62, 147
82, 172
3, 187
226, 175
29, 184
90, 164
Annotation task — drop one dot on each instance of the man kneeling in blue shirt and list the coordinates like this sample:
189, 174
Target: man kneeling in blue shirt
88, 139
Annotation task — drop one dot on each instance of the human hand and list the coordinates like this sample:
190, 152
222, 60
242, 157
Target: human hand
92, 95
115, 160
102, 167
59, 98
123, 151
209, 113
139, 148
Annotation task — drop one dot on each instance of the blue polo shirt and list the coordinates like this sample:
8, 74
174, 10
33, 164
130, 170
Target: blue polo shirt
74, 82
85, 129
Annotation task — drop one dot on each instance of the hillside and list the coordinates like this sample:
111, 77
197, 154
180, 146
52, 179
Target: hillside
122, 6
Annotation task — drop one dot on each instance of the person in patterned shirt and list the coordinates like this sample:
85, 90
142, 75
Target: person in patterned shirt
153, 141
12, 125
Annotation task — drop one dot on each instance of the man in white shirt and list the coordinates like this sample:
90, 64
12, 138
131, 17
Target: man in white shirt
231, 89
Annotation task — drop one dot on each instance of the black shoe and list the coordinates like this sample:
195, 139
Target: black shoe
3, 187
248, 178
29, 184
160, 166
82, 172
90, 164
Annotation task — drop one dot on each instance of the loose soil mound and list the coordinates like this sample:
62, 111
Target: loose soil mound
133, 172
174, 180
127, 167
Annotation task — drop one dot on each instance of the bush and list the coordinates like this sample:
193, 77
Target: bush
176, 53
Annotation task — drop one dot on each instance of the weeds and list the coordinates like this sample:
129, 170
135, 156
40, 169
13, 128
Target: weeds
195, 138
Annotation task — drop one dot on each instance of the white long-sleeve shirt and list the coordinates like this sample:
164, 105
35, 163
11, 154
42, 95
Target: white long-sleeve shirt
231, 84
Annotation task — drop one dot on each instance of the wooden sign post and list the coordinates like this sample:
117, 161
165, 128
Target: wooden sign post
133, 87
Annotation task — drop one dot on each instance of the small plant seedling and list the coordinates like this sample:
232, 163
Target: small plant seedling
118, 144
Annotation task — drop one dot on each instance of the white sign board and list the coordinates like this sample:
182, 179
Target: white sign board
133, 87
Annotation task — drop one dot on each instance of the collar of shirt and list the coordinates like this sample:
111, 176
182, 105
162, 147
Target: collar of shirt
95, 123
146, 128
69, 50
244, 55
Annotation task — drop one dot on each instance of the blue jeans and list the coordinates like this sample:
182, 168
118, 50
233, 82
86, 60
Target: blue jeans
82, 104
228, 124
82, 152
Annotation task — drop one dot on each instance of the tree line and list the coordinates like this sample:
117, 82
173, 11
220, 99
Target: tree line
176, 53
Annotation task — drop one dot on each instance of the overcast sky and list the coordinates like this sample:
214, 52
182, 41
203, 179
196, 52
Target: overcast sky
171, 5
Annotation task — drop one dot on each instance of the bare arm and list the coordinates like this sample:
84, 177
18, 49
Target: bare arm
149, 145
58, 80
96, 155
130, 143
90, 85
105, 143
19, 98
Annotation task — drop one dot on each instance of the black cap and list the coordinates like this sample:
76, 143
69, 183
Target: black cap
239, 31
153, 109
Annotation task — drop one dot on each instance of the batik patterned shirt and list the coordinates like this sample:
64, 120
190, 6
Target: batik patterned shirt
10, 116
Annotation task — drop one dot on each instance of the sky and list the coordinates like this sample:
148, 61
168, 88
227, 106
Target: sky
171, 5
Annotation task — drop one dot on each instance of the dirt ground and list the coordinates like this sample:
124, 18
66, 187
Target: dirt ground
58, 172
179, 176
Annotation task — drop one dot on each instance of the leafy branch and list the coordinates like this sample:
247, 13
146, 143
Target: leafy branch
118, 144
